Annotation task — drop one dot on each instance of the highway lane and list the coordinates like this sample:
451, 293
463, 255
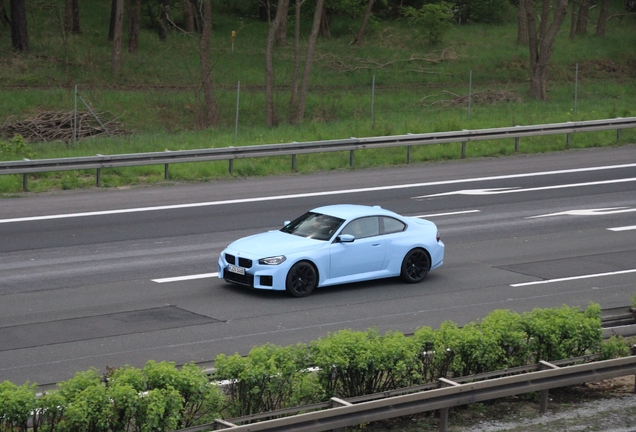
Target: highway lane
78, 292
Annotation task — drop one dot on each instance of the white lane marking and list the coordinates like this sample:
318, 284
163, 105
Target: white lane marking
447, 214
515, 190
313, 194
588, 212
183, 278
574, 278
625, 228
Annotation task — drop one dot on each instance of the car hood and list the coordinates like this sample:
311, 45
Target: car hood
273, 243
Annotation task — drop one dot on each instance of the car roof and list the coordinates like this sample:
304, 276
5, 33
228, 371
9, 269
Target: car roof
350, 211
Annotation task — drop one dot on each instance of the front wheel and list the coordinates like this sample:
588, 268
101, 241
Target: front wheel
415, 266
301, 279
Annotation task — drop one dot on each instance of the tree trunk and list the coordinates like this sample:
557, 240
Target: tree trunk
584, 13
75, 17
188, 16
325, 26
281, 15
294, 84
4, 19
311, 46
541, 47
117, 32
573, 20
163, 19
113, 15
68, 16
365, 22
602, 18
19, 35
522, 24
211, 112
281, 33
133, 28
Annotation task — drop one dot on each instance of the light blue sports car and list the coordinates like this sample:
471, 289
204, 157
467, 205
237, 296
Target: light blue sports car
333, 245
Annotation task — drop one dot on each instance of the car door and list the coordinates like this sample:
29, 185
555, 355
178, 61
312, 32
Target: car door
365, 254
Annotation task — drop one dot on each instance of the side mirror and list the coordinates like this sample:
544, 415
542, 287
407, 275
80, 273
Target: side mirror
346, 238
286, 223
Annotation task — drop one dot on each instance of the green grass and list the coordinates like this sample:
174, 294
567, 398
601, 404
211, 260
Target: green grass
157, 94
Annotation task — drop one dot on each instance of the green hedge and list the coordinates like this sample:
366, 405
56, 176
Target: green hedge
162, 397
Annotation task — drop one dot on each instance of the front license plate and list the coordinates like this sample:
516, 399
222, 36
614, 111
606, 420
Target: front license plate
235, 269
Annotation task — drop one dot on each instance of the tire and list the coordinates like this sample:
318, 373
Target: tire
301, 279
415, 266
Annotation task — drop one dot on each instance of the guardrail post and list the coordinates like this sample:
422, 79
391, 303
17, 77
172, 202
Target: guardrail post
618, 134
463, 149
165, 172
98, 177
231, 166
517, 145
408, 154
568, 141
293, 163
351, 158
25, 182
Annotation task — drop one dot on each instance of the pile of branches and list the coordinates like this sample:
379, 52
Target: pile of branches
49, 126
483, 98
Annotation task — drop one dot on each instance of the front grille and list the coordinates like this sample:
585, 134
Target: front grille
246, 279
245, 263
242, 262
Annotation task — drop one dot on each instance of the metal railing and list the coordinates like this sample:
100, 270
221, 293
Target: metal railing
343, 413
230, 154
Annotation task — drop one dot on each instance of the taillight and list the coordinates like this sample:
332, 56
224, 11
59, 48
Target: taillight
438, 237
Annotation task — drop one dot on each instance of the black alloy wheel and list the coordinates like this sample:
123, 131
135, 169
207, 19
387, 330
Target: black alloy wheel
415, 266
301, 279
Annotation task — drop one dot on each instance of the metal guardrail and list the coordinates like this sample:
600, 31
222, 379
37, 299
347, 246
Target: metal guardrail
345, 413
230, 154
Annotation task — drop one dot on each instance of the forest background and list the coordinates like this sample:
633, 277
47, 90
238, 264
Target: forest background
175, 75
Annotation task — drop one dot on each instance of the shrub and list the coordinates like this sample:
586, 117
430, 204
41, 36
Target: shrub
434, 18
356, 363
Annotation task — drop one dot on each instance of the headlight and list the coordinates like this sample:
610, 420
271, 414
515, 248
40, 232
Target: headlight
272, 260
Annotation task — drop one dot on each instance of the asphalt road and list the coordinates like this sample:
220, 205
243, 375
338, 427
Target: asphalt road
114, 277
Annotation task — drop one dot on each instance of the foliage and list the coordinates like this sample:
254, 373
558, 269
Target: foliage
16, 404
17, 147
356, 363
433, 18
614, 347
559, 333
160, 397
268, 378
485, 11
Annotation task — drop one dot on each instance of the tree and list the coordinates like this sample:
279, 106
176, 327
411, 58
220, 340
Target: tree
365, 22
281, 15
602, 18
133, 27
522, 24
541, 43
299, 108
4, 19
19, 35
211, 111
117, 32
71, 16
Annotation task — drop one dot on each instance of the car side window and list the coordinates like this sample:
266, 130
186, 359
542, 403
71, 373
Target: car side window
363, 227
391, 225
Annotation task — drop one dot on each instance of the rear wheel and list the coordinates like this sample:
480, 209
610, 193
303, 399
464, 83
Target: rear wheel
301, 279
415, 266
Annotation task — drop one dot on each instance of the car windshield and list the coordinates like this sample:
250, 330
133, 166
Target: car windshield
314, 225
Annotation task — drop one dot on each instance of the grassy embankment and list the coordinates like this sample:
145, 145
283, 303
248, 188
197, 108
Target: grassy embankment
157, 94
